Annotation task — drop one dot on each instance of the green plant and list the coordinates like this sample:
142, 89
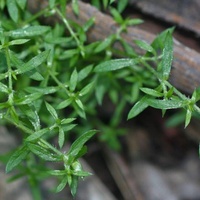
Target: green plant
52, 83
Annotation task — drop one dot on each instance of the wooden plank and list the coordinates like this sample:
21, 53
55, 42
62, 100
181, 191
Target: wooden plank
183, 13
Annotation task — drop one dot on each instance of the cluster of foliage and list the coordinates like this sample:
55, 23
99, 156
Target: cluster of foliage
51, 84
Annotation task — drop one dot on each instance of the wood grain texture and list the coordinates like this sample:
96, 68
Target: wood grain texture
186, 65
183, 13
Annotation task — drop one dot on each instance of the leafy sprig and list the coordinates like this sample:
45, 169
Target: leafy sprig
52, 83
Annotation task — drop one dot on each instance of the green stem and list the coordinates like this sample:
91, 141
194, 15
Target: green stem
37, 15
29, 131
35, 189
60, 84
9, 69
70, 30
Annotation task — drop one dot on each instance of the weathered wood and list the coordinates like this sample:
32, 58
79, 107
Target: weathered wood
183, 13
186, 65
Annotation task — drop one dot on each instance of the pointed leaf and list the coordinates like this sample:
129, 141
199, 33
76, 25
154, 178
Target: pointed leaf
61, 137
3, 88
78, 144
13, 10
73, 80
37, 135
74, 185
17, 158
103, 44
62, 185
116, 64
52, 3
21, 3
144, 45
64, 103
167, 58
18, 42
30, 31
28, 99
43, 90
165, 104
67, 120
188, 117
51, 110
138, 107
86, 89
33, 63
151, 92
121, 5
42, 152
84, 72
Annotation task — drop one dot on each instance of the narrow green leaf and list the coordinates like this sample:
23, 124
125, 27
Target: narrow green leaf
188, 117
100, 91
73, 80
82, 173
33, 63
68, 127
36, 76
151, 92
159, 41
18, 42
13, 10
118, 18
165, 104
103, 44
14, 114
121, 5
67, 120
116, 64
31, 31
74, 185
167, 58
37, 134
57, 172
21, 3
138, 107
81, 153
28, 99
62, 185
89, 24
84, 72
144, 45
61, 137
134, 21
51, 110
79, 104
32, 115
52, 3
17, 158
42, 90
3, 88
75, 7
86, 89
42, 152
64, 103
78, 144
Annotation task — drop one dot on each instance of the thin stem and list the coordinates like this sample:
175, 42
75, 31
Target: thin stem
60, 84
35, 189
37, 15
9, 69
29, 131
70, 30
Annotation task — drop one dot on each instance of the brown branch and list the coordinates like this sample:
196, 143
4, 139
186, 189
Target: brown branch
186, 65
